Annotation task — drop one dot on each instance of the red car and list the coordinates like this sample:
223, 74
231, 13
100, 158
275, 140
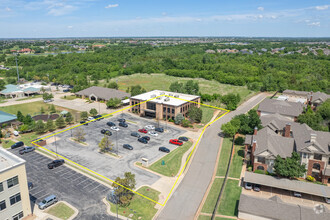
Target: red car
143, 130
176, 142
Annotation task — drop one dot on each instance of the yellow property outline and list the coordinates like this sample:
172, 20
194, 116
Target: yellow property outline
104, 116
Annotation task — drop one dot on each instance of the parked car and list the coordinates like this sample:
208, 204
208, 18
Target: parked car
114, 128
90, 118
327, 200
135, 134
128, 147
142, 140
30, 185
256, 187
48, 201
17, 144
297, 194
123, 124
47, 100
84, 122
153, 133
146, 137
164, 149
150, 127
248, 185
111, 124
106, 132
121, 120
26, 150
98, 117
161, 130
176, 142
55, 163
142, 130
16, 133
183, 139
66, 90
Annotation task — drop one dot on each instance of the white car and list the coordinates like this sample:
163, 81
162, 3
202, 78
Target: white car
150, 127
153, 133
114, 128
90, 118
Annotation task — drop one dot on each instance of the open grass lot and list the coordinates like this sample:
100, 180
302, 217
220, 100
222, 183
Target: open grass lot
230, 198
205, 217
7, 143
31, 97
140, 207
69, 97
163, 82
207, 114
236, 164
33, 108
172, 161
28, 137
61, 210
224, 157
212, 196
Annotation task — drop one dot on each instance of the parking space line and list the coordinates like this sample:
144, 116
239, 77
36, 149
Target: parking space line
87, 185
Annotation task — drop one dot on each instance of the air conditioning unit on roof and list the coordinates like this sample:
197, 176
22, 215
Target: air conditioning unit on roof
153, 96
167, 99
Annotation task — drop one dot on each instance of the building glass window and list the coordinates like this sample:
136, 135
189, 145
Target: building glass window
317, 156
164, 109
151, 106
12, 181
304, 155
14, 199
261, 160
2, 205
181, 110
168, 110
172, 110
1, 187
18, 216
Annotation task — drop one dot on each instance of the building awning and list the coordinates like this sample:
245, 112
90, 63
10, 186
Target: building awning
291, 185
149, 110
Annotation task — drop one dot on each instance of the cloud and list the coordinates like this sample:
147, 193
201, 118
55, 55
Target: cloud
112, 6
70, 27
315, 24
8, 9
164, 13
261, 8
58, 10
322, 7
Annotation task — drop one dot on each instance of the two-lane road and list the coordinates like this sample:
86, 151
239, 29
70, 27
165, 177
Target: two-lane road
185, 201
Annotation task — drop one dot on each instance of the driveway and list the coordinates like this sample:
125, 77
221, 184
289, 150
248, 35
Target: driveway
80, 191
184, 202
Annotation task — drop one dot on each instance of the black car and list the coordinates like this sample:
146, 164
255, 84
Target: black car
121, 120
128, 147
164, 149
30, 185
17, 144
135, 134
146, 137
66, 90
111, 124
55, 163
107, 132
183, 139
98, 117
84, 122
123, 124
142, 140
161, 130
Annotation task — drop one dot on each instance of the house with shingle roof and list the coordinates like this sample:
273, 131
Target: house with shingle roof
314, 98
96, 93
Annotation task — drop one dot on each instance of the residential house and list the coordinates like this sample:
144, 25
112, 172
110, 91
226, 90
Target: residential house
96, 93
312, 98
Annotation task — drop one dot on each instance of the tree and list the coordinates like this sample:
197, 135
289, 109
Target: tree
68, 118
310, 118
79, 134
113, 85
84, 115
47, 96
42, 110
2, 84
191, 87
50, 126
289, 167
52, 109
229, 129
40, 127
136, 90
93, 112
254, 120
113, 103
28, 120
20, 116
195, 114
231, 100
105, 143
177, 87
178, 118
60, 123
324, 110
121, 186
24, 128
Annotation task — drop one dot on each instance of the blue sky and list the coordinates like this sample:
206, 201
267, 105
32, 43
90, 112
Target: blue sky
113, 18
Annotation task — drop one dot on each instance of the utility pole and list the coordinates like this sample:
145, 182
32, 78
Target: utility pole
17, 69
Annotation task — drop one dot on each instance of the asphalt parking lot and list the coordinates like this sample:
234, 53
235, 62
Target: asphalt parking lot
111, 167
80, 191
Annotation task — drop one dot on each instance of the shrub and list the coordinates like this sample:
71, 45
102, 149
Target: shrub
249, 168
185, 123
170, 120
310, 178
239, 141
259, 171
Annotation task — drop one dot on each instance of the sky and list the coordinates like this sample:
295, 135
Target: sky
129, 18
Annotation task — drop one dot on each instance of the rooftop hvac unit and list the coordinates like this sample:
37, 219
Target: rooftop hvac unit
167, 99
170, 94
176, 96
153, 96
159, 98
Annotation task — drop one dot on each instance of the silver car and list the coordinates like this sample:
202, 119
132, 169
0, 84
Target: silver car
248, 186
26, 150
48, 201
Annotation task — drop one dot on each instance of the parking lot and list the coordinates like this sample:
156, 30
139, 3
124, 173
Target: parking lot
109, 166
80, 191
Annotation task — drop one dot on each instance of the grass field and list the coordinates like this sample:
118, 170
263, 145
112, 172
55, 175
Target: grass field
172, 161
230, 198
207, 114
61, 210
69, 97
163, 82
236, 164
31, 97
7, 143
224, 157
28, 137
212, 196
140, 207
205, 217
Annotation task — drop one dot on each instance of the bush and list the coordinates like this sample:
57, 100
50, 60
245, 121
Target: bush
310, 178
259, 171
239, 141
249, 168
185, 123
170, 120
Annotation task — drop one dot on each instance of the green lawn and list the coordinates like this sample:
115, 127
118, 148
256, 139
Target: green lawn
69, 97
140, 207
205, 217
207, 114
28, 137
61, 210
212, 197
163, 82
236, 164
230, 198
172, 161
31, 97
224, 157
7, 143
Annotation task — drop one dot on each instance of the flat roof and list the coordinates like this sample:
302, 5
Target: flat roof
176, 99
9, 160
283, 183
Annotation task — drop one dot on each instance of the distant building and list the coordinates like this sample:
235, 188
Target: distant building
14, 194
96, 93
25, 50
6, 118
98, 46
18, 91
313, 98
163, 107
210, 51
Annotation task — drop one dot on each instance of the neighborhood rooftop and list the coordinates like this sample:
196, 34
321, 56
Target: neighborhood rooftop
4, 117
282, 107
9, 160
175, 99
102, 93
